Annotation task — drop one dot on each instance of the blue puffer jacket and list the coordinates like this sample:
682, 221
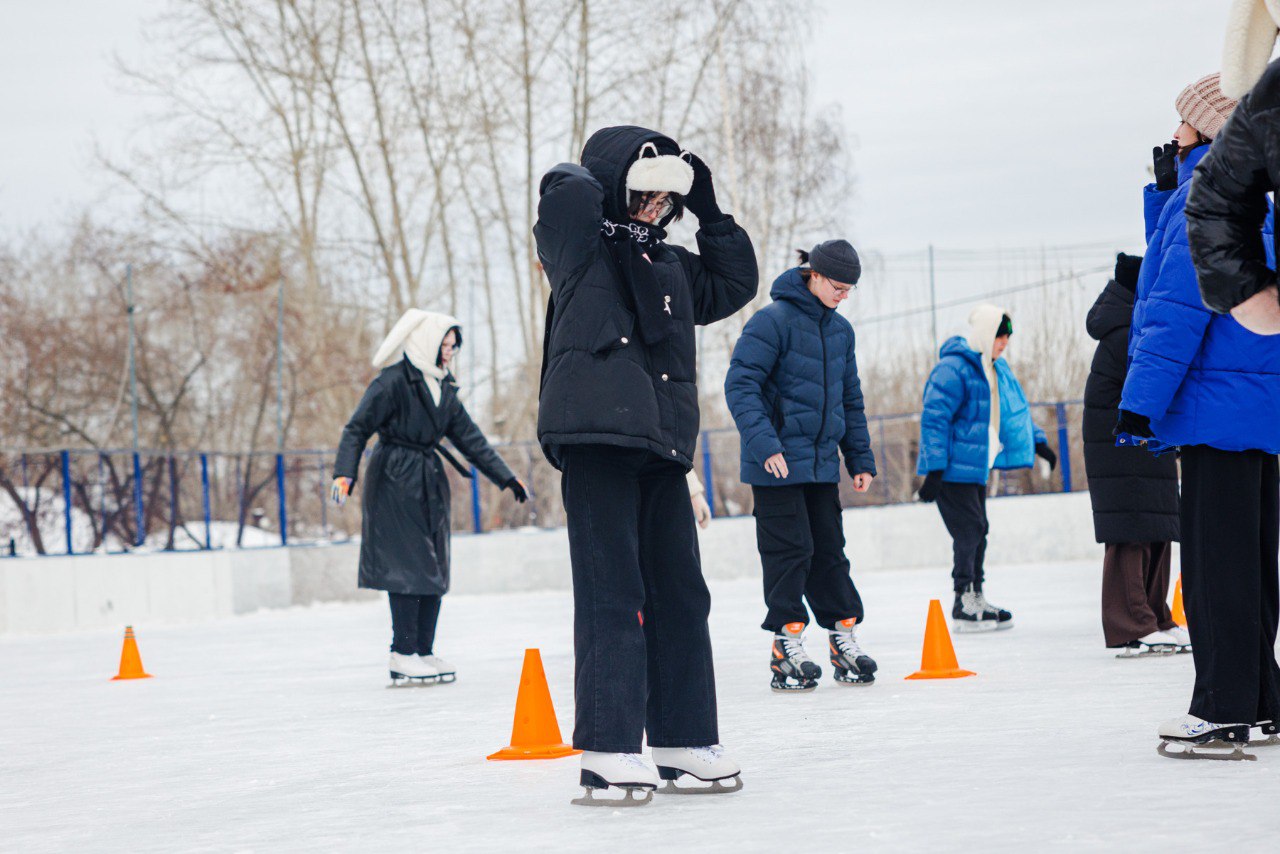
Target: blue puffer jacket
956, 419
793, 389
1202, 378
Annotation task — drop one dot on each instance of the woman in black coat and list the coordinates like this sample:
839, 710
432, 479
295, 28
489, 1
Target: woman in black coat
1134, 493
413, 405
618, 415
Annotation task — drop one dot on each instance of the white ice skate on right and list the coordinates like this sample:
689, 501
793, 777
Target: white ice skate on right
411, 670
447, 672
708, 764
625, 771
1195, 738
1181, 637
1156, 643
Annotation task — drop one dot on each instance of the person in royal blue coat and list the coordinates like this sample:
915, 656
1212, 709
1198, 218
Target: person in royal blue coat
963, 437
1207, 384
795, 396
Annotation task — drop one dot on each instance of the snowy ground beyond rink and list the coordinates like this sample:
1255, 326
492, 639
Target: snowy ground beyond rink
274, 732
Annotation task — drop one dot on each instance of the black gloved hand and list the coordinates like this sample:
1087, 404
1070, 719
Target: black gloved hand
928, 490
1046, 453
1165, 159
517, 489
1133, 424
701, 198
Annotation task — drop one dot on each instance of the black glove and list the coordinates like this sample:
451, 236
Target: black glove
1165, 159
701, 198
1133, 424
1046, 453
517, 489
928, 490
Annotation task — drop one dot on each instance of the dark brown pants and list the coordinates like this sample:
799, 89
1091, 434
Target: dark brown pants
1135, 582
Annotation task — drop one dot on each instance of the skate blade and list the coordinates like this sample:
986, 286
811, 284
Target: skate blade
1154, 652
1005, 626
964, 627
401, 681
856, 681
1269, 741
718, 787
1220, 750
785, 688
635, 796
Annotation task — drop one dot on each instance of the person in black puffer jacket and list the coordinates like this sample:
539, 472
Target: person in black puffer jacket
1134, 494
618, 415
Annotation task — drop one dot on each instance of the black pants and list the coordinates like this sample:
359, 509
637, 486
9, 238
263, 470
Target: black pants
413, 623
800, 534
1230, 535
964, 511
642, 649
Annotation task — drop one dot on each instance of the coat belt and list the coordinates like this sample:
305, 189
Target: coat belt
429, 449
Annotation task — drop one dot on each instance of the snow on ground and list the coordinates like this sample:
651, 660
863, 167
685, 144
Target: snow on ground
274, 732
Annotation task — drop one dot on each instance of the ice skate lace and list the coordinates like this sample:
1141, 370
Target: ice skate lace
709, 754
793, 649
972, 603
847, 644
632, 759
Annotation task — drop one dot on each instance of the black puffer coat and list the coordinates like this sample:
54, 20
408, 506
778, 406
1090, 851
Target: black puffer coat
1134, 493
405, 545
601, 383
1228, 200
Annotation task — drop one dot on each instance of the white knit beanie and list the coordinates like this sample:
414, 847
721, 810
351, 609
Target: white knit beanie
1252, 26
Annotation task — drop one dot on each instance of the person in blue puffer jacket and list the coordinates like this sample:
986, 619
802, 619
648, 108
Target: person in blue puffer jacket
1209, 384
962, 438
795, 396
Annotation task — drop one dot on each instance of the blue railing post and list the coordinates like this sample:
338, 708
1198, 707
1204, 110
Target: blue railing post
204, 500
1064, 447
476, 524
708, 483
173, 498
66, 497
139, 519
284, 508
324, 503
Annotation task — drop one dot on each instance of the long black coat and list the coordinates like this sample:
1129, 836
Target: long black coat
405, 545
1134, 492
601, 383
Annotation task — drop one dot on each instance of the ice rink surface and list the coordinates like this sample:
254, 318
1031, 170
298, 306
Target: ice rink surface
275, 732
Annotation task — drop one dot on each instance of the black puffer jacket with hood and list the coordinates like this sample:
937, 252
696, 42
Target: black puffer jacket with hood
602, 382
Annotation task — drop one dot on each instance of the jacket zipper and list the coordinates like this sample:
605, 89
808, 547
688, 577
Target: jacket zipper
822, 424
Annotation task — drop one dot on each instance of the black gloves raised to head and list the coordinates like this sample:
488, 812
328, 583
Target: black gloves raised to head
1165, 159
1046, 453
701, 198
517, 489
1133, 424
928, 490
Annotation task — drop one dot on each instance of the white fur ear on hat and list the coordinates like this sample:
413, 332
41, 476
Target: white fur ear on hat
1252, 26
659, 173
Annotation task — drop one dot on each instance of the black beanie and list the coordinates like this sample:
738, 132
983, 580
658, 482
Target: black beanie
1127, 267
1005, 327
837, 260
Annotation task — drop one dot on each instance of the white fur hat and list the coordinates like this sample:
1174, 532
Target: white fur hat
1252, 26
661, 173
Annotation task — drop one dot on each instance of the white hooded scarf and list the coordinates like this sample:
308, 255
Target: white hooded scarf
984, 321
417, 336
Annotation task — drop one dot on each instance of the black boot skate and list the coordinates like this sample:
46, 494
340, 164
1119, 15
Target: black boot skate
792, 668
851, 664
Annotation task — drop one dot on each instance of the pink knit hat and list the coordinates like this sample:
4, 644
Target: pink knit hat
1203, 106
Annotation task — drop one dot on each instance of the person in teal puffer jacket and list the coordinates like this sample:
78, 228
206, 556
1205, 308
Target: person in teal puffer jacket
962, 438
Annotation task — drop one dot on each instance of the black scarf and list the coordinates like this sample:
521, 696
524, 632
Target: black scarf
628, 244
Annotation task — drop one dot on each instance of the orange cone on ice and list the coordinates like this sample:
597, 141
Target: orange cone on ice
938, 659
1179, 613
535, 734
130, 660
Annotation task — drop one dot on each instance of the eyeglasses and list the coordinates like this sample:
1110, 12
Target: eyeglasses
838, 287
658, 203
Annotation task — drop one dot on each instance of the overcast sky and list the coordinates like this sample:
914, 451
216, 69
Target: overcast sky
979, 124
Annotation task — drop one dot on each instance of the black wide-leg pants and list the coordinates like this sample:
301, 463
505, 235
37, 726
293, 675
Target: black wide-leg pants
1230, 537
413, 623
642, 648
964, 511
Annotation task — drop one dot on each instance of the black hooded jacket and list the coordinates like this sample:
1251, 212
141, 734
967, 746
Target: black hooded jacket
1228, 199
601, 383
1134, 493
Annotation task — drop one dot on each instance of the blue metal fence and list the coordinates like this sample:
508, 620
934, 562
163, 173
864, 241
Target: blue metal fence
115, 500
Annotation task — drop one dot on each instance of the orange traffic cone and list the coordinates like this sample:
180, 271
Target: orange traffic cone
1179, 613
130, 660
535, 733
938, 659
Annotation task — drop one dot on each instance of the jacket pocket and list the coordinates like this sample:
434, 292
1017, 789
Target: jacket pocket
615, 333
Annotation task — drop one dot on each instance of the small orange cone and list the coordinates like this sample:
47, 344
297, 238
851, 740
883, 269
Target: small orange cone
130, 660
1179, 613
938, 659
535, 734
